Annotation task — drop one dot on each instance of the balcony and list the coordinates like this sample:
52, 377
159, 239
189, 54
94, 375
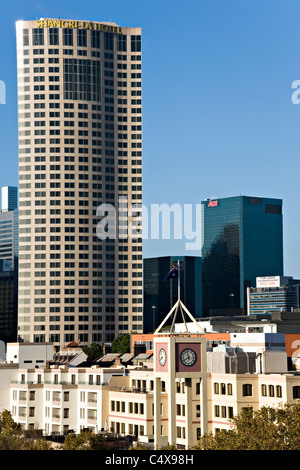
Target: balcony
22, 396
56, 397
55, 414
92, 398
22, 413
92, 415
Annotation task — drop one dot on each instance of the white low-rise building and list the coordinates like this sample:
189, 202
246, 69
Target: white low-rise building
57, 397
29, 354
60, 398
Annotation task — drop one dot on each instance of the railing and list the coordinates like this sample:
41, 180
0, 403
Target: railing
48, 382
25, 382
93, 383
130, 390
64, 382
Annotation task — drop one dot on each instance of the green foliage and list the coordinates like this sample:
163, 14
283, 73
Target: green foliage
11, 436
9, 432
8, 425
121, 344
78, 441
86, 440
265, 429
98, 442
139, 446
38, 444
93, 351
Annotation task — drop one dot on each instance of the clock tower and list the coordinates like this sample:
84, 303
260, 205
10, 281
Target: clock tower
179, 356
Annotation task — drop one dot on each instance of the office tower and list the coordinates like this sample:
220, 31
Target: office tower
9, 246
274, 294
241, 240
161, 295
9, 198
80, 146
8, 304
9, 226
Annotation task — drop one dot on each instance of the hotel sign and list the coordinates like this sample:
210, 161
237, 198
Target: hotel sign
107, 28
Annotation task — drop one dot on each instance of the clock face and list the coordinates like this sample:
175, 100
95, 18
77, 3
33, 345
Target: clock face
162, 357
188, 357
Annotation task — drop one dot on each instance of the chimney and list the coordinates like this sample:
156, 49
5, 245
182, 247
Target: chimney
117, 362
139, 349
106, 348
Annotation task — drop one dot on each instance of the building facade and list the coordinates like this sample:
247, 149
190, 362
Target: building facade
241, 239
160, 295
8, 305
9, 254
9, 198
80, 154
57, 398
274, 294
9, 226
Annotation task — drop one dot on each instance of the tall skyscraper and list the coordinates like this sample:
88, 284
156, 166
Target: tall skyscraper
80, 146
242, 239
160, 295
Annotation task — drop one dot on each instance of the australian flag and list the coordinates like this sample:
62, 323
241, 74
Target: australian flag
172, 273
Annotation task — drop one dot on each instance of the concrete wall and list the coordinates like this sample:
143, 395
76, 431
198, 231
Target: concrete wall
29, 354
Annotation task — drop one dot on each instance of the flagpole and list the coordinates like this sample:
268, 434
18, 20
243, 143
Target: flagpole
178, 280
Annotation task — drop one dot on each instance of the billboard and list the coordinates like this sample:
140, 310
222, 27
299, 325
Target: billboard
268, 281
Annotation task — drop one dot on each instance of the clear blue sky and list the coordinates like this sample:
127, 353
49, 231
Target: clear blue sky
218, 118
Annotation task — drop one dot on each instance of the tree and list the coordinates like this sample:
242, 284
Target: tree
98, 442
7, 424
12, 437
78, 441
268, 428
121, 344
38, 444
93, 351
10, 432
139, 446
85, 440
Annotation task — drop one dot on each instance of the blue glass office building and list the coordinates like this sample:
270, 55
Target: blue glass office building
9, 256
241, 239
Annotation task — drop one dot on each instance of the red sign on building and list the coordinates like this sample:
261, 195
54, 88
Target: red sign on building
212, 203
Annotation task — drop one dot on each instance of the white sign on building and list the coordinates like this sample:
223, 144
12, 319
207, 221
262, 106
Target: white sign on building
268, 281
